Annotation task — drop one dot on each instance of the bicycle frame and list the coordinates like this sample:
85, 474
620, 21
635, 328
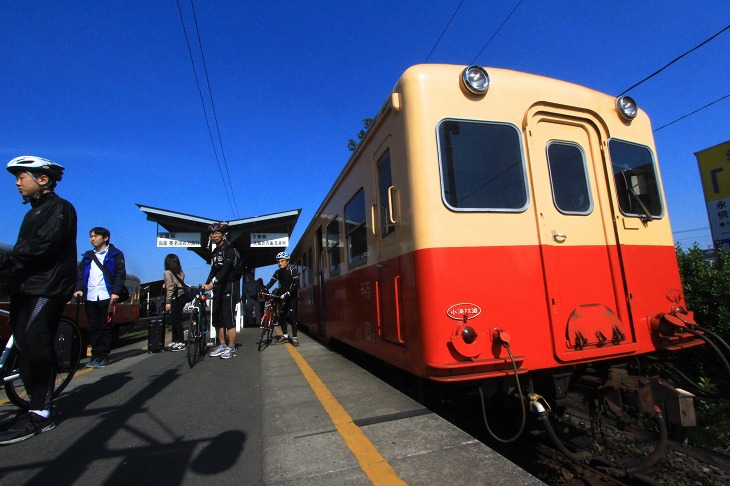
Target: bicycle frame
269, 319
6, 352
198, 328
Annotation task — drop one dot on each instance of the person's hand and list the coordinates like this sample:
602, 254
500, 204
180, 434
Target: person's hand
167, 307
207, 286
78, 293
114, 299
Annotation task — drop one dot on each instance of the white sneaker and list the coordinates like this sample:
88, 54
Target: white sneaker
229, 353
220, 349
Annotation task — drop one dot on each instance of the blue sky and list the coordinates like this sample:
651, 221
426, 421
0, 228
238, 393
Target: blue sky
106, 89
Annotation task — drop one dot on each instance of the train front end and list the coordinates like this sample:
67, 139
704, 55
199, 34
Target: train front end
536, 222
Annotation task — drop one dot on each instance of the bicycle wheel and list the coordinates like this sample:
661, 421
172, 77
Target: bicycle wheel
68, 354
267, 331
193, 342
203, 335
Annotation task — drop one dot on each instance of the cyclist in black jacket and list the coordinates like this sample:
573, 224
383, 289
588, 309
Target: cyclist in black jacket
43, 268
288, 279
220, 282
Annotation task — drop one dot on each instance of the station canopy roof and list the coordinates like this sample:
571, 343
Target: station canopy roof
242, 233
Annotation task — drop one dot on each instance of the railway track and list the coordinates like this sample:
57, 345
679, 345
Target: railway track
682, 464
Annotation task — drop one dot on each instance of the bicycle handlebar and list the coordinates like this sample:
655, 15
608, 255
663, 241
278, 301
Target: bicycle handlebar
271, 296
5, 313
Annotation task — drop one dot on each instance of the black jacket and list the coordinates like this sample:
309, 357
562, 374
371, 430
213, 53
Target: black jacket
221, 268
288, 279
43, 260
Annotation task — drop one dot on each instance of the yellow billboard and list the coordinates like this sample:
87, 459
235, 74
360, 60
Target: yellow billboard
714, 165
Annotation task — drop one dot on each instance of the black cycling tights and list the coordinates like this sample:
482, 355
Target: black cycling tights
35, 321
289, 313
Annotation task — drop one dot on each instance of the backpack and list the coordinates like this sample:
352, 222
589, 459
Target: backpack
238, 268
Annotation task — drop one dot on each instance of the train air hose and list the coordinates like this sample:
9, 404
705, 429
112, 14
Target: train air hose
505, 343
701, 333
630, 470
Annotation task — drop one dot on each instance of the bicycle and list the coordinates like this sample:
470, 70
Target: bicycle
269, 319
68, 346
198, 327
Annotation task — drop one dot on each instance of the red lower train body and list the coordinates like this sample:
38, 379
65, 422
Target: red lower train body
412, 311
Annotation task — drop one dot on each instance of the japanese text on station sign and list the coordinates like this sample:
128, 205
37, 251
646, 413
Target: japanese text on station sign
269, 239
180, 240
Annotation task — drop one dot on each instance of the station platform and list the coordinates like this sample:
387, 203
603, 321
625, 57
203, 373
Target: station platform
287, 415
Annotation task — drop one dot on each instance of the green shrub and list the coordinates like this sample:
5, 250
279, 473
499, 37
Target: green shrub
707, 287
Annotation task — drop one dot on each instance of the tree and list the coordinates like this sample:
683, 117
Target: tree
707, 287
352, 144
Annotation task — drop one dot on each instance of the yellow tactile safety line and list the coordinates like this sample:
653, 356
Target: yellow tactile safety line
373, 464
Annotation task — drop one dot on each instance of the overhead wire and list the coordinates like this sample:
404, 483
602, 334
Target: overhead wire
675, 60
444, 31
496, 32
215, 115
205, 111
692, 113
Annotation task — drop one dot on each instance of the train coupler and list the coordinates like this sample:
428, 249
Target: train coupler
622, 392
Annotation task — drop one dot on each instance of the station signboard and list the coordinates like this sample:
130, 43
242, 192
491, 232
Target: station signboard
179, 240
714, 166
259, 240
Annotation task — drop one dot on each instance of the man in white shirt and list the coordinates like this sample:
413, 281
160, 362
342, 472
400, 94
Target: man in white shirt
101, 278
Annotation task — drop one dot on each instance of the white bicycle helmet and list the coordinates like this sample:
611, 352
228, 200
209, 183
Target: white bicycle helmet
282, 255
36, 165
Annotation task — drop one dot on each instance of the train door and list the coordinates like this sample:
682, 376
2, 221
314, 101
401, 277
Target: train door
586, 293
389, 271
318, 291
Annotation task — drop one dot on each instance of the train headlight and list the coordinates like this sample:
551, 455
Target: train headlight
475, 79
468, 334
626, 107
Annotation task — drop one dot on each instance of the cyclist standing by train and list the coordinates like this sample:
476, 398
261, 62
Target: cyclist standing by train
220, 282
43, 268
288, 279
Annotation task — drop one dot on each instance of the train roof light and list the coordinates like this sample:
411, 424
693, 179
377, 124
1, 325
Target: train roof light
626, 107
475, 79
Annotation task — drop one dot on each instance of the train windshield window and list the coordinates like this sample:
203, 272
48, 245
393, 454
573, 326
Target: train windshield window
568, 177
333, 246
355, 231
636, 182
481, 166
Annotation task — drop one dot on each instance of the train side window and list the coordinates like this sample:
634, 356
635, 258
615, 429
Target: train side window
482, 167
637, 186
385, 181
569, 178
333, 246
304, 279
355, 231
310, 275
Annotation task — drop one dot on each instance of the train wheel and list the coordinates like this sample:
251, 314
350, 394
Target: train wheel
68, 353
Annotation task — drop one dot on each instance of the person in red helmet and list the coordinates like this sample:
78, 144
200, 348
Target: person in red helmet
43, 268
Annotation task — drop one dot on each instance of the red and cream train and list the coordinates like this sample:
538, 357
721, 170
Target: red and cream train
488, 206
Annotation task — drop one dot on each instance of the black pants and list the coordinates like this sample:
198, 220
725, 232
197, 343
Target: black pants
222, 311
100, 327
35, 321
176, 309
289, 313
